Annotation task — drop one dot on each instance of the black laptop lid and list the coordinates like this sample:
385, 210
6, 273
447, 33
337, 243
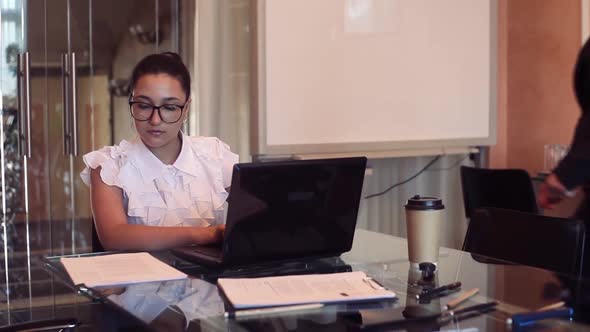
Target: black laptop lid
289, 209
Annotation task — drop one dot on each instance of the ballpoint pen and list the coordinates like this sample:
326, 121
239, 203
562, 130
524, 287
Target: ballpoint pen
439, 290
448, 315
552, 306
462, 298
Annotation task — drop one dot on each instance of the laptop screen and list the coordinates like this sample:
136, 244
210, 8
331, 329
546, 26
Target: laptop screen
287, 209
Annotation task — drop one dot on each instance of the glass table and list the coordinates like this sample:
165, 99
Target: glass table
194, 304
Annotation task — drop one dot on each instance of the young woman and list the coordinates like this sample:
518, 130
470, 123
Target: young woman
163, 189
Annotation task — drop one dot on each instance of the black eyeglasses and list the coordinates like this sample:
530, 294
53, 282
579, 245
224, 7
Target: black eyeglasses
169, 113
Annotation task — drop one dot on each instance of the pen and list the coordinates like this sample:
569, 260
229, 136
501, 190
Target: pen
271, 310
439, 290
552, 306
447, 316
476, 307
462, 298
528, 318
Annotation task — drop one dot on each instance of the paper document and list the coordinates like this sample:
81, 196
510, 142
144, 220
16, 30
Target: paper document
118, 269
314, 288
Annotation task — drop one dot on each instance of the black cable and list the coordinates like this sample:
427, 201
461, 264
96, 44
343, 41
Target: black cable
430, 163
457, 163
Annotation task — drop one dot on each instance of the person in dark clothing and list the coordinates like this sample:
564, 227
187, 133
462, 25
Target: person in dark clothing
574, 169
573, 172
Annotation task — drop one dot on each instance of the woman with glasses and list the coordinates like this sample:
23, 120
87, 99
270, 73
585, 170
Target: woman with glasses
163, 189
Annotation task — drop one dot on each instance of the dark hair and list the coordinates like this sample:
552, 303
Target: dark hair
582, 78
163, 63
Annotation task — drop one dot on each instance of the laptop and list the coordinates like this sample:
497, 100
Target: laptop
286, 210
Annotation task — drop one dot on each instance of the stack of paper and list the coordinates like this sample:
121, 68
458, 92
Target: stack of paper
118, 269
299, 289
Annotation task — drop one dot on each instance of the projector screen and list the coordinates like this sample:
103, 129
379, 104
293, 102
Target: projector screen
340, 76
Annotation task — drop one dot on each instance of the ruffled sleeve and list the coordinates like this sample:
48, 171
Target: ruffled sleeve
228, 159
217, 160
110, 159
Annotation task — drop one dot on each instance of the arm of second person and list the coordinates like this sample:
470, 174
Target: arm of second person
574, 169
551, 192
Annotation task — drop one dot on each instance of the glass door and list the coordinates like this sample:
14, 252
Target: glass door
60, 80
64, 73
64, 69
11, 48
26, 231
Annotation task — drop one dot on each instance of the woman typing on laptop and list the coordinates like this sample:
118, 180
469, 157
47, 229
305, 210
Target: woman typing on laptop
163, 189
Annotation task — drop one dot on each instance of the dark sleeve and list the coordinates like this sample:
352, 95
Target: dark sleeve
574, 169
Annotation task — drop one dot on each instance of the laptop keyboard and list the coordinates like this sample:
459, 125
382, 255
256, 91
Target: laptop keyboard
212, 251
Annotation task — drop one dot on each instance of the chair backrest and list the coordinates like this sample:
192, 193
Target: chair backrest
550, 243
501, 188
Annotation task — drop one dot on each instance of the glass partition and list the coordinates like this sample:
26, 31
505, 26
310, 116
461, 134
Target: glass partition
64, 66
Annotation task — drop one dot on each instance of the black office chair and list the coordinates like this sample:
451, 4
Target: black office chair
501, 188
550, 243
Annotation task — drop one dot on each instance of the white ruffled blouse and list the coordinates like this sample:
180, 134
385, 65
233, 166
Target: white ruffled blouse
190, 192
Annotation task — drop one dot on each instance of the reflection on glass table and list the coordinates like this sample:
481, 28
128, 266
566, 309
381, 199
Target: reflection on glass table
195, 303
179, 301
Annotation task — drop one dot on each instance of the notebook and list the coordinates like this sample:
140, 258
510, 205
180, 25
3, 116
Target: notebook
118, 269
286, 210
247, 293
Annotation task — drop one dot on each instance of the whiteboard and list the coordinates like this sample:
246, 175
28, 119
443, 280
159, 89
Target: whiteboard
335, 76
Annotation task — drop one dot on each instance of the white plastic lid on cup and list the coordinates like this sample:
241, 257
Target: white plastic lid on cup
423, 203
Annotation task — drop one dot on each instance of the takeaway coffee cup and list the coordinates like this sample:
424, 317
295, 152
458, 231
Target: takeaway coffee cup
424, 216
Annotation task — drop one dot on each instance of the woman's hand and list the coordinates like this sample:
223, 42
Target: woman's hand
551, 192
208, 235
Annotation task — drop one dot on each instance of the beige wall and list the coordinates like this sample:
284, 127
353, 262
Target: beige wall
538, 43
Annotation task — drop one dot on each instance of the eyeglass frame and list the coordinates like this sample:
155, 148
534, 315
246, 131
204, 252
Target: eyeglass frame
154, 108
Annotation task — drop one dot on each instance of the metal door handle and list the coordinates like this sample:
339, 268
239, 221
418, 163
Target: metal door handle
74, 105
65, 103
27, 82
24, 104
19, 107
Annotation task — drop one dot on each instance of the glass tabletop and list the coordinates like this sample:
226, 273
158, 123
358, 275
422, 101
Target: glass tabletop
195, 304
